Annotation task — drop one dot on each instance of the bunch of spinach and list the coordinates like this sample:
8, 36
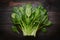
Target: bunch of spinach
29, 19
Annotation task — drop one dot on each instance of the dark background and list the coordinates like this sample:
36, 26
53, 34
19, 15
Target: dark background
53, 8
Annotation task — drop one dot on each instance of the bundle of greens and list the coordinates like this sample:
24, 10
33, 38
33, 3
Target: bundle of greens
29, 19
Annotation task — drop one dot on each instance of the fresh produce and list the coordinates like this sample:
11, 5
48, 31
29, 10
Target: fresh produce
29, 19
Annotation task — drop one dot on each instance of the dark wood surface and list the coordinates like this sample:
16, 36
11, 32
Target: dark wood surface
5, 24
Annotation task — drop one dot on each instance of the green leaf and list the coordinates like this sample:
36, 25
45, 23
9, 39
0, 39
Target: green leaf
21, 9
49, 23
14, 10
14, 29
44, 30
13, 15
28, 10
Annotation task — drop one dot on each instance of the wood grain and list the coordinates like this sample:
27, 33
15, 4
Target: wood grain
5, 23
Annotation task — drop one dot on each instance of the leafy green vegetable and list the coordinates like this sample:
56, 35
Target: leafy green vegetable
29, 19
44, 30
14, 29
